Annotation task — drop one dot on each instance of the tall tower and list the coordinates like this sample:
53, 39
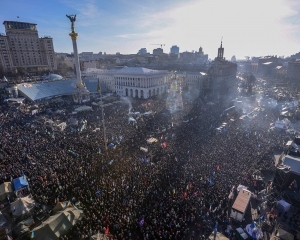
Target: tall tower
81, 93
220, 51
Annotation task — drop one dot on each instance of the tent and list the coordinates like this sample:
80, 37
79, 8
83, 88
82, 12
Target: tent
131, 119
241, 187
83, 108
282, 234
152, 140
144, 149
60, 206
21, 229
57, 225
254, 231
281, 125
283, 205
2, 220
62, 126
218, 236
100, 236
20, 183
22, 205
5, 188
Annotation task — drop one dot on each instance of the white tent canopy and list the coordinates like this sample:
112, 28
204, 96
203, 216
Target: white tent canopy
22, 206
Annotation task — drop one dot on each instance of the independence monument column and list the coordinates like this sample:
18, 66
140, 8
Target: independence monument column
81, 93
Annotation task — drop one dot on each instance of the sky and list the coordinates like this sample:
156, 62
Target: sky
248, 27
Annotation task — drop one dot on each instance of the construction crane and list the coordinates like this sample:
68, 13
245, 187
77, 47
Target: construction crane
161, 44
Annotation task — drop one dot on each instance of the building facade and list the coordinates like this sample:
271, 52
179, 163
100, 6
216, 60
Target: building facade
6, 61
140, 82
293, 70
142, 51
131, 81
26, 49
158, 51
266, 64
193, 80
174, 50
222, 74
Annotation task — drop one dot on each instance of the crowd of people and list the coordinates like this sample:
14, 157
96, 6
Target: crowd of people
180, 191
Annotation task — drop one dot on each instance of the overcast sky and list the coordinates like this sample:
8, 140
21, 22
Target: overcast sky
248, 27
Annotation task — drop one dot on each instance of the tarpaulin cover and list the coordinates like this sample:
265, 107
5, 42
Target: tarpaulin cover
20, 183
57, 225
22, 205
5, 188
283, 205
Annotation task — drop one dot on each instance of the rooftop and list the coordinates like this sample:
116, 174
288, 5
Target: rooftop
19, 25
139, 70
242, 201
18, 22
38, 91
292, 162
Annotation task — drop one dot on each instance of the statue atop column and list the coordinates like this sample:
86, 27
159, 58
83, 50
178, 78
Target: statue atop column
72, 19
81, 93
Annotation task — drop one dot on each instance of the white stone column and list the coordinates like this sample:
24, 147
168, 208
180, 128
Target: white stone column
76, 60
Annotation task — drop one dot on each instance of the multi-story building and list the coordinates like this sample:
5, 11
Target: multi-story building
193, 80
222, 73
6, 61
266, 64
142, 51
131, 81
26, 50
158, 51
293, 69
174, 50
140, 82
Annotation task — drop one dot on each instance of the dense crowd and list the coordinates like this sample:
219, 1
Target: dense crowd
180, 190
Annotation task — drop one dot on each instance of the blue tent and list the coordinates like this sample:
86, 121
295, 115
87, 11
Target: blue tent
20, 183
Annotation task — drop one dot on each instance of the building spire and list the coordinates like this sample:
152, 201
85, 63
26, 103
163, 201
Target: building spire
221, 50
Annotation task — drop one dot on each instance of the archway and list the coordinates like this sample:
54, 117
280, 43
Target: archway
157, 91
149, 93
165, 89
126, 92
136, 93
131, 93
142, 93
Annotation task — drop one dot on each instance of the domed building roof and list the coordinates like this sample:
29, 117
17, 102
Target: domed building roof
53, 77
